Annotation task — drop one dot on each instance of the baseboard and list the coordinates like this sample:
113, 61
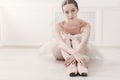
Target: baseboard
39, 45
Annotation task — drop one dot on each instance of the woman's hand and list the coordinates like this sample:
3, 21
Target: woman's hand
69, 60
80, 59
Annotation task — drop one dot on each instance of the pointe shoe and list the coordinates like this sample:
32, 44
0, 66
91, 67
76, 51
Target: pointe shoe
83, 71
72, 70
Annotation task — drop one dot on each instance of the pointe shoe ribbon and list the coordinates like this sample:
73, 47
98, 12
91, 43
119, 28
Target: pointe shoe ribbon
72, 70
83, 71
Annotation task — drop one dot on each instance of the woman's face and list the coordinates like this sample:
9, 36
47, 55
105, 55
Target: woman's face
70, 11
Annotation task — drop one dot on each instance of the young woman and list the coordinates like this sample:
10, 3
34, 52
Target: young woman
72, 35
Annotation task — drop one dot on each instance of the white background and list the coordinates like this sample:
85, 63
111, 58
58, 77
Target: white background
30, 22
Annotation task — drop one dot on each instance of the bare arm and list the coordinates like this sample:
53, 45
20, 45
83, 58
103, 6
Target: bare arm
85, 38
60, 41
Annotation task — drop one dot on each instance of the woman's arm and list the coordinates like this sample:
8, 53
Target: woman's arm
85, 37
60, 41
81, 48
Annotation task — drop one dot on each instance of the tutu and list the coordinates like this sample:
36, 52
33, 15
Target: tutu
91, 51
73, 40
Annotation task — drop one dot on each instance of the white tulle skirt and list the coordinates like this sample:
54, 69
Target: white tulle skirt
91, 51
73, 41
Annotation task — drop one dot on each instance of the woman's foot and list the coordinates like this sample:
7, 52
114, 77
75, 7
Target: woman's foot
72, 70
82, 70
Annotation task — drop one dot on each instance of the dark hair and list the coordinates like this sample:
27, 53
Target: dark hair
65, 2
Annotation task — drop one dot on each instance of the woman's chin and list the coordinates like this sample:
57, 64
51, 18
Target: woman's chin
71, 19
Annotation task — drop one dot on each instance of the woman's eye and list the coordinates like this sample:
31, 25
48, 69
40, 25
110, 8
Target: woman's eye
72, 10
66, 12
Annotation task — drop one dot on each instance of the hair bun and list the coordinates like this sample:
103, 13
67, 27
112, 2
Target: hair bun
70, 2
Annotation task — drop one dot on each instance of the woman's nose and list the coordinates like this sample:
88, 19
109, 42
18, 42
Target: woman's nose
70, 15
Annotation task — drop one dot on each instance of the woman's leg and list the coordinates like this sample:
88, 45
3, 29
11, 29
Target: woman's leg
82, 69
57, 53
72, 68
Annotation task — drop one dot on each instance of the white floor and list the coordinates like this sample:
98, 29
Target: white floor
30, 64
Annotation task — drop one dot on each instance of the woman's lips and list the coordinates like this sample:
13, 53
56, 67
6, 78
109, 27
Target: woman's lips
71, 18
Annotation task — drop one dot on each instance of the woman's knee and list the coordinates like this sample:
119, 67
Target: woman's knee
57, 53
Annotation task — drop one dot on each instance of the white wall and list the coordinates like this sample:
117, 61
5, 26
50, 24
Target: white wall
30, 22
111, 27
26, 24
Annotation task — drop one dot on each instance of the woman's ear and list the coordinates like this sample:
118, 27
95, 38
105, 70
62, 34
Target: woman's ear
78, 10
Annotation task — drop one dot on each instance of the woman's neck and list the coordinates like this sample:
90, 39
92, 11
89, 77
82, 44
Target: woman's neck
69, 21
73, 22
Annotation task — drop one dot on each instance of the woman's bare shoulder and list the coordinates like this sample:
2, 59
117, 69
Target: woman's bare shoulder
84, 24
60, 24
82, 21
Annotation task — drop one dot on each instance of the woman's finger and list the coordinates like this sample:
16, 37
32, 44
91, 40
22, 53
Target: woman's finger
84, 63
68, 61
73, 62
